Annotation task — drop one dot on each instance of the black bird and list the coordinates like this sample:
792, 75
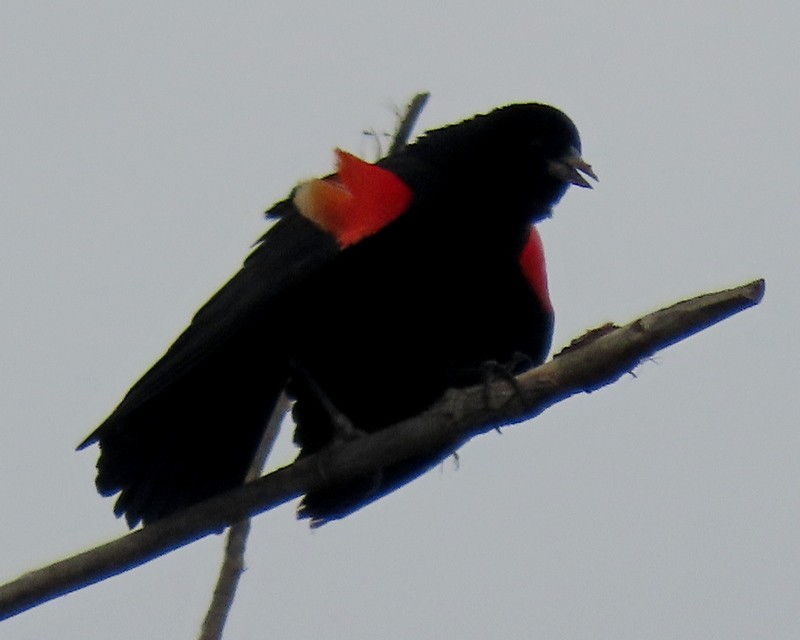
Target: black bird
378, 288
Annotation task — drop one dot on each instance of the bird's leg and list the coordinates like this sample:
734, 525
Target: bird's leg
343, 428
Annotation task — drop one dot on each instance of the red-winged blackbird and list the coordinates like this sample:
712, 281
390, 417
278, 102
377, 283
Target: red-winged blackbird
376, 290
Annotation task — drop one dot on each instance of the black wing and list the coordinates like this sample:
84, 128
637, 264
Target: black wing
189, 427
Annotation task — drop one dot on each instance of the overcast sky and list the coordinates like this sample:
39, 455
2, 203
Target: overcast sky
138, 146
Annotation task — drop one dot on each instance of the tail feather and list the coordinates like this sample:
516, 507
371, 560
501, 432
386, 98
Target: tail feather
193, 440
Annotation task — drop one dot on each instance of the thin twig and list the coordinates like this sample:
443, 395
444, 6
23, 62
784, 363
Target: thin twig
233, 561
450, 422
407, 122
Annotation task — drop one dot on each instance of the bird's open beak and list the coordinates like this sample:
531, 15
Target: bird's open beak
569, 169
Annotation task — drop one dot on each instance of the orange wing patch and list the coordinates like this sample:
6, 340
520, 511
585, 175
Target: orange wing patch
359, 201
533, 268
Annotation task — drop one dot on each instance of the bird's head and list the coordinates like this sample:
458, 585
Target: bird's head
527, 154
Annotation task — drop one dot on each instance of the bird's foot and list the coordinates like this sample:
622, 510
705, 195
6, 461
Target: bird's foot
494, 370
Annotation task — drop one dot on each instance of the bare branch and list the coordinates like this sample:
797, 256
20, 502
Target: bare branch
233, 562
597, 360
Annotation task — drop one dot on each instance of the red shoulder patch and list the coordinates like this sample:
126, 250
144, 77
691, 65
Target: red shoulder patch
533, 267
357, 202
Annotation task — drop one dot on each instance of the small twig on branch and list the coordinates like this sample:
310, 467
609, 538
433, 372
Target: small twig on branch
454, 419
407, 122
233, 561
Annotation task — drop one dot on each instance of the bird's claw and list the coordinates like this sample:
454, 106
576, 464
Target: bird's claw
493, 370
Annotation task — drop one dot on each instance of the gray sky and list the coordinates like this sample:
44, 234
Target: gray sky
138, 146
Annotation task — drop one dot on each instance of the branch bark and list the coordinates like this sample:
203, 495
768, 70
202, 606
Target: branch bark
598, 359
